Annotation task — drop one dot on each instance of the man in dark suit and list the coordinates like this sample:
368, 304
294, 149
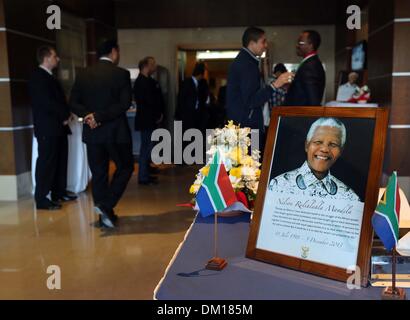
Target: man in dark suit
309, 84
150, 110
102, 95
246, 94
192, 100
50, 117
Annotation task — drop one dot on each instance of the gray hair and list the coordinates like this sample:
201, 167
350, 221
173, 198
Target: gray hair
327, 122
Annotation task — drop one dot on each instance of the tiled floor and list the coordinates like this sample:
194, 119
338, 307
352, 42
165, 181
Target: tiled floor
126, 263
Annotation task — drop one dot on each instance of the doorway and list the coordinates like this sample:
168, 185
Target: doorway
217, 63
217, 59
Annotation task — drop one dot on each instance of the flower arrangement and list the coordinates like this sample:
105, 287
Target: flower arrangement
361, 95
243, 169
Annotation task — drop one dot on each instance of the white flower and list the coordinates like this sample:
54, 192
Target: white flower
248, 172
253, 186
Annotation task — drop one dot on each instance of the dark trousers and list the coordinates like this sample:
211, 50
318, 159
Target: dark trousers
51, 167
107, 194
145, 155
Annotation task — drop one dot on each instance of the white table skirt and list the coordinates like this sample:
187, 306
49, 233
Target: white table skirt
78, 172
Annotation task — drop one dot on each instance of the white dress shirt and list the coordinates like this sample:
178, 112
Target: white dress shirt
346, 91
47, 70
106, 59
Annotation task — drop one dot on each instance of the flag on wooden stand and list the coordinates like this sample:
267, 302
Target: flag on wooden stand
216, 192
386, 217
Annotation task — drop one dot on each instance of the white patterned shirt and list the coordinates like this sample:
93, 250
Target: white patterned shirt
302, 181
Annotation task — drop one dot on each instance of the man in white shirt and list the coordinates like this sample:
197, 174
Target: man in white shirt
346, 90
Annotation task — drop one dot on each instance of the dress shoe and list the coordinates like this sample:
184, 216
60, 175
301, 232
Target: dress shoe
111, 213
105, 218
48, 205
64, 198
113, 218
98, 210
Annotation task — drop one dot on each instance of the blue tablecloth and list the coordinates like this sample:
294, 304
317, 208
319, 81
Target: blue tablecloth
187, 279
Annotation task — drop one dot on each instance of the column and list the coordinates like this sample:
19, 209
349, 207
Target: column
19, 38
389, 79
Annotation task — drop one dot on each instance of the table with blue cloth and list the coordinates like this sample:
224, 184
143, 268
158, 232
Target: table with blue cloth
187, 279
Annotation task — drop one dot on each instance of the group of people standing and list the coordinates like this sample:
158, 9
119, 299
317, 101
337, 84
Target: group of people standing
246, 99
246, 93
102, 94
100, 97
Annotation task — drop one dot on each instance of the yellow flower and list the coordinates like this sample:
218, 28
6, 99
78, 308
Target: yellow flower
247, 161
235, 154
230, 125
236, 172
205, 171
258, 173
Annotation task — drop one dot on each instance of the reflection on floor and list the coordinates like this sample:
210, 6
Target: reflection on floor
126, 263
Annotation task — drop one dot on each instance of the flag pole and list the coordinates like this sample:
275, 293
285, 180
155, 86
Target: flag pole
216, 263
393, 271
216, 235
394, 293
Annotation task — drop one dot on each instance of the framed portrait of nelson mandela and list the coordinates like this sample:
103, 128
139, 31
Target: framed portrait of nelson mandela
318, 190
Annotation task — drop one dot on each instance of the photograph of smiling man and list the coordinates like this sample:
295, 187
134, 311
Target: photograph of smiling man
314, 202
324, 144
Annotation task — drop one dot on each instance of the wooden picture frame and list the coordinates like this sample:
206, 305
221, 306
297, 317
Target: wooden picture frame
380, 121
